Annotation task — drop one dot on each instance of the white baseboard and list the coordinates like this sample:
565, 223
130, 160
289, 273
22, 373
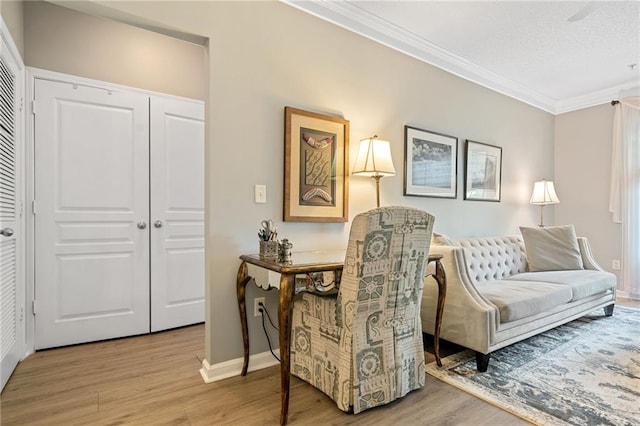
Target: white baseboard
223, 370
624, 294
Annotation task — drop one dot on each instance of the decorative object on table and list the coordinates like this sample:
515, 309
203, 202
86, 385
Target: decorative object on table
367, 340
582, 373
374, 160
483, 172
544, 194
269, 249
269, 230
284, 250
430, 163
268, 238
316, 162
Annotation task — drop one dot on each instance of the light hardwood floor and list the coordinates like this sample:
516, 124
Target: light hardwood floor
154, 380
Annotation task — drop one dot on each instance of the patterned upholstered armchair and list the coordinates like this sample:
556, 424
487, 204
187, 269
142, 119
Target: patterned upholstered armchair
363, 346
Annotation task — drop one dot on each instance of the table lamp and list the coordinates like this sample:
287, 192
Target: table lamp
543, 193
374, 160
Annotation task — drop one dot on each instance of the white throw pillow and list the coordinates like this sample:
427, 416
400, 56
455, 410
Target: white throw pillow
552, 248
442, 240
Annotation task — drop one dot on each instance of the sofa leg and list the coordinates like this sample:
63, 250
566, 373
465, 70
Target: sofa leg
608, 310
482, 361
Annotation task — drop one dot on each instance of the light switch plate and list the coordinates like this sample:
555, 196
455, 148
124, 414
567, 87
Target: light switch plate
261, 194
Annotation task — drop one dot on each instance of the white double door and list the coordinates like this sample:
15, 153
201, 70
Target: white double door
119, 213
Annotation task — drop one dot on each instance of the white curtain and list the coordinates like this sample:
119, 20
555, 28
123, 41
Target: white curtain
624, 201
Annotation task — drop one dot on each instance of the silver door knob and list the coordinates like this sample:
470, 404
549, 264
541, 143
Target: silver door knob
142, 225
7, 232
157, 224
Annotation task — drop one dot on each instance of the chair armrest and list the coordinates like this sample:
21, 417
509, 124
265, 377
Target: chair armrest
588, 260
469, 319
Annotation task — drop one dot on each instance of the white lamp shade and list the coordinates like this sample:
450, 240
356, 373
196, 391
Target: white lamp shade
374, 158
544, 193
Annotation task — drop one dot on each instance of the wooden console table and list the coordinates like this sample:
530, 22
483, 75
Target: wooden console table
269, 273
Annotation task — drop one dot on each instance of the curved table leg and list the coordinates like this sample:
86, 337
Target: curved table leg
441, 279
241, 285
287, 286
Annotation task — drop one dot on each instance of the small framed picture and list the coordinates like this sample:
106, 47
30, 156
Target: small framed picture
316, 162
430, 163
483, 172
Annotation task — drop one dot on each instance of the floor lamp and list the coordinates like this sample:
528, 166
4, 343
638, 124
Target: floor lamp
543, 193
374, 160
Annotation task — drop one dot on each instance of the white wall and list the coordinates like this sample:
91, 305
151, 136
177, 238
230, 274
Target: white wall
63, 40
583, 172
264, 56
12, 11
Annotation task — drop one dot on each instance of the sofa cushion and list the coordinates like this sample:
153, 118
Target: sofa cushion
521, 299
583, 283
494, 258
553, 248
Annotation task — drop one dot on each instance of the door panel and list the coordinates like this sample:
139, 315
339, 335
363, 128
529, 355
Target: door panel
91, 186
110, 291
96, 156
177, 202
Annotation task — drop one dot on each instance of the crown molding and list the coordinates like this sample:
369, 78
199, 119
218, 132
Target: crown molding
352, 18
595, 98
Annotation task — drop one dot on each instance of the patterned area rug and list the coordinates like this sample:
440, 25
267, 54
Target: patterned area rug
586, 372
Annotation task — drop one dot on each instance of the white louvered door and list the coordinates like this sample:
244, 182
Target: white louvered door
11, 284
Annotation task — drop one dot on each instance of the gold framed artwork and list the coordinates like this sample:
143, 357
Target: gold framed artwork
316, 161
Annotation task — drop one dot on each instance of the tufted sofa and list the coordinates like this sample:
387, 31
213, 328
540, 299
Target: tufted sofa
494, 301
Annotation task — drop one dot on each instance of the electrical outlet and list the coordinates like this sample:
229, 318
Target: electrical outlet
256, 305
615, 264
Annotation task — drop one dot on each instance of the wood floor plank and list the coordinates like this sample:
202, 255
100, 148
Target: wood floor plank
154, 380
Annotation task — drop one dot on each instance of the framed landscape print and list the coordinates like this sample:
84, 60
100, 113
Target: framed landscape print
430, 163
316, 161
483, 172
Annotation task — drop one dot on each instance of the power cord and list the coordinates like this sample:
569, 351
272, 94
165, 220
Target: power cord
263, 310
261, 306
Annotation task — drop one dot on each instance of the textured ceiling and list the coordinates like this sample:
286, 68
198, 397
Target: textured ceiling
555, 55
